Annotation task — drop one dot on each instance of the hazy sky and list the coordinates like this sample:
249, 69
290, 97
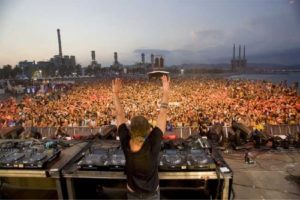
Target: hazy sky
184, 31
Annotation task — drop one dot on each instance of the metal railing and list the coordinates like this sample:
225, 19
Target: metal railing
49, 132
181, 132
282, 129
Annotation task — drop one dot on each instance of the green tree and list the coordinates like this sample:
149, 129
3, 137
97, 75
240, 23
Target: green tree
7, 71
16, 71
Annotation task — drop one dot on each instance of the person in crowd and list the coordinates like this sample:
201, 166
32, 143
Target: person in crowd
193, 103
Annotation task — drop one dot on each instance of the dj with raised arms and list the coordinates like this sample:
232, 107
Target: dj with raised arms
141, 145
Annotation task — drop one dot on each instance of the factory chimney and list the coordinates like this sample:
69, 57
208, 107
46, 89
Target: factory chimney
240, 58
233, 57
59, 43
239, 52
152, 60
143, 58
116, 58
156, 62
161, 62
93, 55
244, 56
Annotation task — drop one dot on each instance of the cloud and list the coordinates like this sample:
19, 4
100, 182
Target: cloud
281, 56
208, 38
261, 35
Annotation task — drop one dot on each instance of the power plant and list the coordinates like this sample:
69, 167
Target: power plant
116, 63
60, 60
94, 63
240, 63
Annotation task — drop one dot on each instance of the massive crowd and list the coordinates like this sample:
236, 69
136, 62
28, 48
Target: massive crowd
192, 102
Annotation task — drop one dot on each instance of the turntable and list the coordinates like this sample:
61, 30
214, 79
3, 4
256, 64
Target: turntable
103, 155
199, 159
117, 159
172, 160
26, 154
94, 160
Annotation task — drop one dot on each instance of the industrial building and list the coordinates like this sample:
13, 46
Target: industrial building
239, 63
94, 62
116, 64
60, 59
158, 62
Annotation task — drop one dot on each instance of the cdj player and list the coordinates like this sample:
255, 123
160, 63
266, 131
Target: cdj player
172, 160
200, 159
117, 159
192, 154
31, 154
103, 155
95, 160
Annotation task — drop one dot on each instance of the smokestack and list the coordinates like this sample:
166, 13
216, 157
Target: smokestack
161, 62
239, 52
143, 58
233, 57
244, 57
152, 58
116, 57
156, 65
93, 55
59, 43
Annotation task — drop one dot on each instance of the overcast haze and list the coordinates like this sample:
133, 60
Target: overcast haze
184, 31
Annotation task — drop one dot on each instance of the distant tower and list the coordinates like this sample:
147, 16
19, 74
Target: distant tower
233, 60
240, 59
161, 62
244, 56
233, 57
116, 58
239, 63
59, 43
156, 62
93, 54
152, 60
143, 58
244, 65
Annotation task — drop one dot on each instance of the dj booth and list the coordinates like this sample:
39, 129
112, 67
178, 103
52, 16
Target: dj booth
19, 161
77, 166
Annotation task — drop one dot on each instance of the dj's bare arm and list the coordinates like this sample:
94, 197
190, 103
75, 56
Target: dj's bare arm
162, 116
116, 88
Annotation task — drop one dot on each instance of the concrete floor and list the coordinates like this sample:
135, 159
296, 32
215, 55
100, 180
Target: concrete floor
274, 175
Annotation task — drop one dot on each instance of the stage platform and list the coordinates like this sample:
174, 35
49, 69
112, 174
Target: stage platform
274, 175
